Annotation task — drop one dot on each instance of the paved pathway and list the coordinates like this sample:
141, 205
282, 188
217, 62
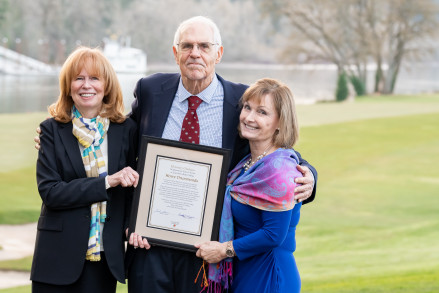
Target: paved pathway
9, 279
17, 241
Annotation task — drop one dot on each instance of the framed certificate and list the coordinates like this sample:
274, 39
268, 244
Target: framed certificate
179, 198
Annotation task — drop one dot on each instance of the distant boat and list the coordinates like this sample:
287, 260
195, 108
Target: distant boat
125, 59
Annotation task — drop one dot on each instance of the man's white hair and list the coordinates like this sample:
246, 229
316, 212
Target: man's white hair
202, 20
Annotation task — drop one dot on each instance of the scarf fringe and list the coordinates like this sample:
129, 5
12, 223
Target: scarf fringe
222, 281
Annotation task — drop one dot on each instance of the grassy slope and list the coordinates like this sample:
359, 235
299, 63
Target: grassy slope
19, 199
18, 131
23, 264
373, 227
367, 108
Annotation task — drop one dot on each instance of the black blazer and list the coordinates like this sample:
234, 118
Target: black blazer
153, 100
66, 192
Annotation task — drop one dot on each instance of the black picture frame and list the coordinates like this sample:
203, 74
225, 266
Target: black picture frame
179, 177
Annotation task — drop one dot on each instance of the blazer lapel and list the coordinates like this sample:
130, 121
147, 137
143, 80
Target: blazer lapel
72, 148
230, 115
162, 102
114, 146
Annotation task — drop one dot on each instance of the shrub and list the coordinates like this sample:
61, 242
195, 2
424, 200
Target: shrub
342, 91
359, 86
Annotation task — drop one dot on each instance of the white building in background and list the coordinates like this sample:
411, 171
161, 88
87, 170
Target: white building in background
125, 59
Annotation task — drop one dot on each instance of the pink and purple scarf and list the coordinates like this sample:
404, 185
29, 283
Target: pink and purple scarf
267, 185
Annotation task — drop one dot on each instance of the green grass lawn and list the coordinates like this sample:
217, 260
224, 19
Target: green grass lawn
22, 264
17, 145
374, 224
19, 198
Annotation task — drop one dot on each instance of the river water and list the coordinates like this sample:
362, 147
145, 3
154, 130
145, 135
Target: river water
23, 94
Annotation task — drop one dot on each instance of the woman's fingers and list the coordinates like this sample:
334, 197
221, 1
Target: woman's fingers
126, 177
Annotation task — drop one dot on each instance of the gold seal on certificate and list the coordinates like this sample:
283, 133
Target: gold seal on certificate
178, 201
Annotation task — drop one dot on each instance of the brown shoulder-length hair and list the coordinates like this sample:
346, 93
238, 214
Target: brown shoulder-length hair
282, 97
94, 61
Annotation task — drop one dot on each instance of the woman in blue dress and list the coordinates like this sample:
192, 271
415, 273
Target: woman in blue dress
260, 216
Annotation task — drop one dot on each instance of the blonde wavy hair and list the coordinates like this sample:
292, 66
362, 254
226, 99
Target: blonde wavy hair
94, 61
288, 133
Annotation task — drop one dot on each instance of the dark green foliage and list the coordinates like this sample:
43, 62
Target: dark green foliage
3, 8
359, 86
342, 91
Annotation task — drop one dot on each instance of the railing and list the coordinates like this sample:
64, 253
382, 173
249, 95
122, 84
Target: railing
12, 62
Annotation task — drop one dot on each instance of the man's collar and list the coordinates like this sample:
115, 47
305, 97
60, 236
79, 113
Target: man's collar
206, 95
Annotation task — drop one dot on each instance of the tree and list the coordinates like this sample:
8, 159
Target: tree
50, 29
151, 25
400, 29
50, 14
3, 9
329, 31
353, 33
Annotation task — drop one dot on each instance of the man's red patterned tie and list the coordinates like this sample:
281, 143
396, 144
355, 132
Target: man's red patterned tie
190, 130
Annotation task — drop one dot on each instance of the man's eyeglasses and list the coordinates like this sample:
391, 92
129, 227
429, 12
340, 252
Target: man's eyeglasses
206, 47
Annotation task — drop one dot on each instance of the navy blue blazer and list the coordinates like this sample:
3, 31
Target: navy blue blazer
67, 193
153, 100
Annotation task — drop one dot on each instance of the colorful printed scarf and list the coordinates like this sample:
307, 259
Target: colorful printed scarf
90, 134
267, 185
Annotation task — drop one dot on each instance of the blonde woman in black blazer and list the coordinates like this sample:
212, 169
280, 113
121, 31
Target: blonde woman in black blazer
88, 89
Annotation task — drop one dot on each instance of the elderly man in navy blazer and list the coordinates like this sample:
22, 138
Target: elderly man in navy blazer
160, 107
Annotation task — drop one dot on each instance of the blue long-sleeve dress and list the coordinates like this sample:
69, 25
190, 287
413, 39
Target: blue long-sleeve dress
264, 244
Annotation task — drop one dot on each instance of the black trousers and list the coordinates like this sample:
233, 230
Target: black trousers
96, 277
164, 270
